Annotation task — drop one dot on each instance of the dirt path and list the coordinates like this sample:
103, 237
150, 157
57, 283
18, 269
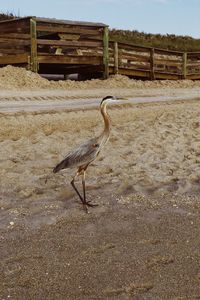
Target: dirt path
60, 104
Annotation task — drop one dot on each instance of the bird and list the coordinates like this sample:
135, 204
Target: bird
82, 156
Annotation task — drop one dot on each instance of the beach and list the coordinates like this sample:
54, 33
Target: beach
142, 240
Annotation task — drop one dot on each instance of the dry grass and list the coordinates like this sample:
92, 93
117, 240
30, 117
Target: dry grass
167, 41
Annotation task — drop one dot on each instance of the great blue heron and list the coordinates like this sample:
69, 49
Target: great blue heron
86, 153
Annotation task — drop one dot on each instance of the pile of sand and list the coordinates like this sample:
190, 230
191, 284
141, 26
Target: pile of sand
14, 78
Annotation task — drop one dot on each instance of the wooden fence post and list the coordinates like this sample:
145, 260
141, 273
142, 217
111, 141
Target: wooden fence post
29, 63
33, 58
105, 52
116, 58
152, 73
184, 69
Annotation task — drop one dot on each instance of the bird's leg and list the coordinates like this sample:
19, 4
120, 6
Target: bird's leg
86, 203
83, 199
83, 183
75, 188
84, 193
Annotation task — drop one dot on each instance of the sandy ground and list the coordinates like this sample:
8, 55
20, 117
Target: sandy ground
142, 241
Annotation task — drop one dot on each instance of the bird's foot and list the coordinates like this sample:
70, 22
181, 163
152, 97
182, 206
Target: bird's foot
86, 204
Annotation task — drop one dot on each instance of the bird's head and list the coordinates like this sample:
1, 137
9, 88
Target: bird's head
109, 99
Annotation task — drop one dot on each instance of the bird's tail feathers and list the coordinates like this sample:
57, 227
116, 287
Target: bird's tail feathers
62, 165
59, 166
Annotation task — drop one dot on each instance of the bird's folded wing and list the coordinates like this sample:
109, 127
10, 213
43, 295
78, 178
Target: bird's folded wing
83, 154
80, 156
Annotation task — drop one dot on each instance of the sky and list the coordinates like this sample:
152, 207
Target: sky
180, 17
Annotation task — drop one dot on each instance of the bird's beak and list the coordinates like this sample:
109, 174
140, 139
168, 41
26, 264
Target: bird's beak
122, 98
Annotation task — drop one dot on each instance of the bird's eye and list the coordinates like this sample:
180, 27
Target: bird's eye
95, 145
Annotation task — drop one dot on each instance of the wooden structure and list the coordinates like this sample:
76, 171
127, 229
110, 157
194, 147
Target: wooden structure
51, 46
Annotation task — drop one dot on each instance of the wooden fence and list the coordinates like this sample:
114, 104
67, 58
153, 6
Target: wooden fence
50, 46
152, 63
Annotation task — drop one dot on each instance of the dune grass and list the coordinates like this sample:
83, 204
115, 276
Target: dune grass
168, 41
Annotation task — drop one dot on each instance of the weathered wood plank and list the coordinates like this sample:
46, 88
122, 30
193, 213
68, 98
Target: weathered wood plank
134, 66
93, 44
168, 52
131, 72
16, 20
168, 69
134, 57
9, 42
193, 76
88, 54
15, 27
12, 51
193, 64
168, 62
14, 59
193, 54
16, 24
55, 59
165, 60
146, 73
126, 45
69, 22
97, 37
12, 46
62, 29
167, 75
17, 30
9, 36
74, 52
136, 48
69, 37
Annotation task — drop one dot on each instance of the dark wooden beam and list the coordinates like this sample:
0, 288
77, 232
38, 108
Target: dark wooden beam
152, 64
184, 67
116, 58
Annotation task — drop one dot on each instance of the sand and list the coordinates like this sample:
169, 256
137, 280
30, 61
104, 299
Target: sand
14, 78
142, 241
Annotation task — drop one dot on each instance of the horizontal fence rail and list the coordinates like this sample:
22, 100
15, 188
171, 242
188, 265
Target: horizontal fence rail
146, 62
65, 47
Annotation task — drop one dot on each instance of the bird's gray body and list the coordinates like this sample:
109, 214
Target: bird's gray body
80, 156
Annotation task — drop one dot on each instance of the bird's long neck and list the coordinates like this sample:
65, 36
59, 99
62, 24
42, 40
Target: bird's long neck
106, 132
